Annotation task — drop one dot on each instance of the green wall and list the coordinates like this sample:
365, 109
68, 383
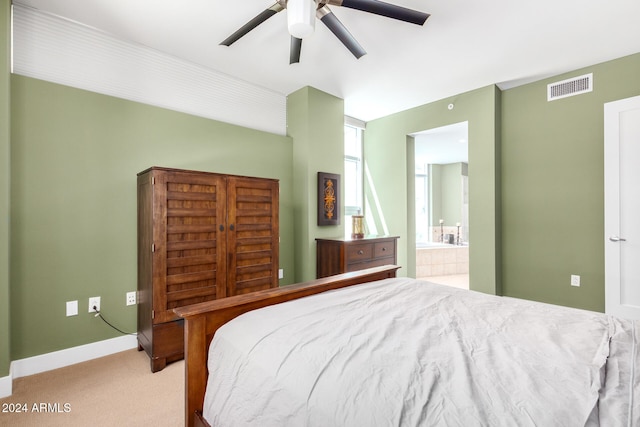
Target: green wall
390, 174
5, 176
452, 193
435, 194
74, 160
315, 121
446, 193
553, 186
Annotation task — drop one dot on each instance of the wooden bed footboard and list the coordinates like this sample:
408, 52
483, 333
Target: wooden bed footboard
202, 320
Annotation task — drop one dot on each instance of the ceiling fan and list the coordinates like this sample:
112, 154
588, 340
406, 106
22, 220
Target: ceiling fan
301, 16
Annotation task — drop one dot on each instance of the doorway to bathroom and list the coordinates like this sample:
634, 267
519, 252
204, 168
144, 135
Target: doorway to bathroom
442, 205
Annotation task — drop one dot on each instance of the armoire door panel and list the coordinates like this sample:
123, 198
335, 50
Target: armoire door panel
253, 208
192, 239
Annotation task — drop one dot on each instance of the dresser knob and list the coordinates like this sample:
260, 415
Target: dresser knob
384, 249
360, 252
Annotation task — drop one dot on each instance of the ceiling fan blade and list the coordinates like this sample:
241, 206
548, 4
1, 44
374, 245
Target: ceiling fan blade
294, 51
384, 9
333, 23
263, 16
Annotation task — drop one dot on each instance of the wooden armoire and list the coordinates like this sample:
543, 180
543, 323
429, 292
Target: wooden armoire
201, 236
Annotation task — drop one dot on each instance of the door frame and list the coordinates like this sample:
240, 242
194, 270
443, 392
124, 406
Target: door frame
612, 249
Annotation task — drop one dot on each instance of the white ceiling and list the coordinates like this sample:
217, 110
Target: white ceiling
464, 45
443, 145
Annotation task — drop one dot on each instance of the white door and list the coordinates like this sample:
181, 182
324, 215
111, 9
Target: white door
622, 207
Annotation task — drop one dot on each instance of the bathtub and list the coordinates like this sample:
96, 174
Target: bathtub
441, 259
427, 245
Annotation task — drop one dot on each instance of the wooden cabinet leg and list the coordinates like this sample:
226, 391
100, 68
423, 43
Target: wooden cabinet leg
158, 364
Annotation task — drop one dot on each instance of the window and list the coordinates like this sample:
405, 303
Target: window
422, 204
353, 199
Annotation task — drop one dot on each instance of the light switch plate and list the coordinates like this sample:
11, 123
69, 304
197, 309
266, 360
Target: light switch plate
72, 308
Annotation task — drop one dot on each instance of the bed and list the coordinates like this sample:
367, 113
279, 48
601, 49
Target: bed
373, 349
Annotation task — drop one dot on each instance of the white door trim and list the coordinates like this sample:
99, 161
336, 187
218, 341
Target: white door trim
612, 214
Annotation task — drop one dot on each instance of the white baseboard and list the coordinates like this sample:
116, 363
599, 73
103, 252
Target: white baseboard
6, 386
59, 359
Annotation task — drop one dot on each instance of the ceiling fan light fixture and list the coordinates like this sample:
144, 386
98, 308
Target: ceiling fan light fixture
302, 14
301, 17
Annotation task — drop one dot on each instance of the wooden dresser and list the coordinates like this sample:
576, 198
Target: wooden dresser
201, 236
336, 256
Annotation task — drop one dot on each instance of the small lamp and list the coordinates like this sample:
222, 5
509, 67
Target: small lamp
357, 226
301, 17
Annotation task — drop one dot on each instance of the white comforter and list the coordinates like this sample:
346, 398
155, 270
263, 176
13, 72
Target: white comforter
402, 352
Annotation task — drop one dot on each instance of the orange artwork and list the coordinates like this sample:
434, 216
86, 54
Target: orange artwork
329, 199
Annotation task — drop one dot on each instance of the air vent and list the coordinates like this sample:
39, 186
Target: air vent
570, 87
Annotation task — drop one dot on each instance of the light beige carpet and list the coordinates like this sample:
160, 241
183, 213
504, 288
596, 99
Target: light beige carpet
116, 390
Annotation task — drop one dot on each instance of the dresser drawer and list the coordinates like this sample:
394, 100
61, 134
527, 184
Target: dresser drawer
376, 262
359, 252
335, 256
384, 249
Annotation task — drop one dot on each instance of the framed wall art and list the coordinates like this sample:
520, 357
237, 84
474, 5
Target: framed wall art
328, 198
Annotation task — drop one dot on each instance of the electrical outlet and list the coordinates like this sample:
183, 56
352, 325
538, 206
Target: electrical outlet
281, 273
94, 302
575, 280
72, 308
131, 298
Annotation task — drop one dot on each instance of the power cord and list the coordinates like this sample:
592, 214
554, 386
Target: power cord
98, 314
